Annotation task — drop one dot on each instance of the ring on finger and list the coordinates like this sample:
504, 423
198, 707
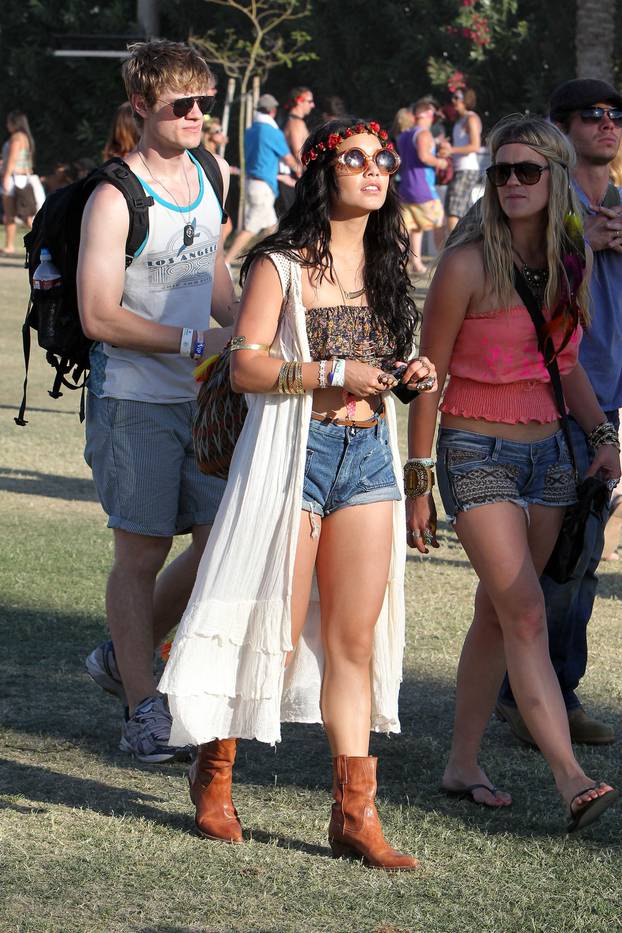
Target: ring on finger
428, 537
414, 533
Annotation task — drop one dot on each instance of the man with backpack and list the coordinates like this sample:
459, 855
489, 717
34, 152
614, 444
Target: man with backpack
148, 315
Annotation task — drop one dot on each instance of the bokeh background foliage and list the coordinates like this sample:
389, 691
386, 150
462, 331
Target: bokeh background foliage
374, 56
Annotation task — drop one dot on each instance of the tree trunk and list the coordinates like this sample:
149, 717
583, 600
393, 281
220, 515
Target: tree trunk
594, 39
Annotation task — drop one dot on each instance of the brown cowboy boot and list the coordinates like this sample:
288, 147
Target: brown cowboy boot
210, 791
355, 829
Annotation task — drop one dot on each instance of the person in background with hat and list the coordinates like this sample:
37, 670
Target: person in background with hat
589, 112
265, 145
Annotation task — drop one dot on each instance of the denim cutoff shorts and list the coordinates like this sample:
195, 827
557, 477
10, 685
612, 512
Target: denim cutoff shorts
477, 469
347, 466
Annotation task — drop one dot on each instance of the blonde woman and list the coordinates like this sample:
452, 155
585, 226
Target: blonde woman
504, 471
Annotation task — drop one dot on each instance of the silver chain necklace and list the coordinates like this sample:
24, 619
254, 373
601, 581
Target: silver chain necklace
189, 231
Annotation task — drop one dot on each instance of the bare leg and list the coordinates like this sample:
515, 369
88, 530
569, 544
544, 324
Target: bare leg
451, 222
129, 608
416, 239
508, 558
239, 242
440, 235
174, 585
352, 568
8, 204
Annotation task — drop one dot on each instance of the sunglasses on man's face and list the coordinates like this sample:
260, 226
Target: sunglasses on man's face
527, 173
183, 105
356, 161
596, 114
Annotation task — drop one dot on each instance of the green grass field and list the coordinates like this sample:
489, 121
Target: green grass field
92, 842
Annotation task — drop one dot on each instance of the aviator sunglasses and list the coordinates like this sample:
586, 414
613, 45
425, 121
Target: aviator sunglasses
355, 161
596, 114
527, 173
183, 105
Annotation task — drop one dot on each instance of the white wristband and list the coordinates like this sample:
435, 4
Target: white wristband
338, 374
185, 347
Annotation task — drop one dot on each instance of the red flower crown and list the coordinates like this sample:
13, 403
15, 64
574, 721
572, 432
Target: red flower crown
335, 138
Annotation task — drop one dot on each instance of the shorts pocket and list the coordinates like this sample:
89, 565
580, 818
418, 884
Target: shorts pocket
309, 458
457, 458
376, 468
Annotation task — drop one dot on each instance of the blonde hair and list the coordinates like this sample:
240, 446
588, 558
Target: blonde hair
615, 168
487, 222
154, 67
403, 120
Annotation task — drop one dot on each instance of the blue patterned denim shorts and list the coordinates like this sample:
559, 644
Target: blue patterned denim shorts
477, 469
347, 466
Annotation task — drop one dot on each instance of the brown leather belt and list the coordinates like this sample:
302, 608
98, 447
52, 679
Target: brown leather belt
348, 422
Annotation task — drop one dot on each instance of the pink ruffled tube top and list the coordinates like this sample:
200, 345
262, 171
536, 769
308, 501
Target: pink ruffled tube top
497, 372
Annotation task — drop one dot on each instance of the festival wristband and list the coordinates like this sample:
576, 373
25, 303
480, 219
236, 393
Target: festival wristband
185, 346
198, 346
338, 374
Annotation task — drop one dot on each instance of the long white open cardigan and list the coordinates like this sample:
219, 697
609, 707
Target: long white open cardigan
226, 676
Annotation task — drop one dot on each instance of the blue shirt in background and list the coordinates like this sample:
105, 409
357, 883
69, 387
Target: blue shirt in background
601, 348
265, 145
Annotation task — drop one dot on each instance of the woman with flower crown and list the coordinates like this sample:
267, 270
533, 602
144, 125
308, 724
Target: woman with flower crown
298, 609
505, 472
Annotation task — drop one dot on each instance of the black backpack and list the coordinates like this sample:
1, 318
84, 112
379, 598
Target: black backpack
53, 313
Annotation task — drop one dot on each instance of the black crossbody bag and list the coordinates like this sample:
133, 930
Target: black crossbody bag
592, 493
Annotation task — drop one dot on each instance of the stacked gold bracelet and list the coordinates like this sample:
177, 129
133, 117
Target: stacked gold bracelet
290, 379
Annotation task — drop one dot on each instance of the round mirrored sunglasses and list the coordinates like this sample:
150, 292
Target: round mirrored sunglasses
355, 161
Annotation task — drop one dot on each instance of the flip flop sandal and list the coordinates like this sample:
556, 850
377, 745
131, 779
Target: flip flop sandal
592, 810
466, 793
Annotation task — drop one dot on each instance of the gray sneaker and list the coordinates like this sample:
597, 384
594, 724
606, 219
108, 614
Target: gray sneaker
101, 664
146, 733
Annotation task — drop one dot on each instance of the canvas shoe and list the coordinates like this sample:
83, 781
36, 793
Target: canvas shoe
147, 731
101, 664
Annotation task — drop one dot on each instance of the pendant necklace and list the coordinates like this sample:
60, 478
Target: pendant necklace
537, 279
189, 230
348, 296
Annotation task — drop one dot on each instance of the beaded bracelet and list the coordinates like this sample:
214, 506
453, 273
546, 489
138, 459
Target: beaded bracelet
604, 434
321, 376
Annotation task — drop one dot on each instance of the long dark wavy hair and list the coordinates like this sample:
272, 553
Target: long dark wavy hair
304, 232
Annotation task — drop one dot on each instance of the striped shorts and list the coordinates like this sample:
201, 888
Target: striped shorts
144, 468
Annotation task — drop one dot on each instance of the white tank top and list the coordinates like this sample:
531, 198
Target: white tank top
168, 283
460, 137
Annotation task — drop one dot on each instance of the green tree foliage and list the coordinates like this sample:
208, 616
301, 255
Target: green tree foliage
377, 58
69, 102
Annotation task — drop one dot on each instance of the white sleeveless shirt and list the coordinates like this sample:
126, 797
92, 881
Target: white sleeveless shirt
168, 283
460, 137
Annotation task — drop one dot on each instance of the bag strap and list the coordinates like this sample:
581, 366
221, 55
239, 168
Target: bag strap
209, 164
119, 174
548, 352
20, 420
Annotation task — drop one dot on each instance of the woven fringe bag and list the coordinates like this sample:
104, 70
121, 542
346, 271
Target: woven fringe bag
220, 416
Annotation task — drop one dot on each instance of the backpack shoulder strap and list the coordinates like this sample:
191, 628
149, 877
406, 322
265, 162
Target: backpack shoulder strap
210, 166
119, 174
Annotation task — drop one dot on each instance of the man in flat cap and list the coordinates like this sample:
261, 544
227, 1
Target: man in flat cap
589, 112
264, 145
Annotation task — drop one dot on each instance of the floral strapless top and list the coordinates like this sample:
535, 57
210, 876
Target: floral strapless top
349, 332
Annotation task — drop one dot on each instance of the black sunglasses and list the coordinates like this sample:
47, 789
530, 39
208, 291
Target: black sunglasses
596, 114
527, 173
183, 105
